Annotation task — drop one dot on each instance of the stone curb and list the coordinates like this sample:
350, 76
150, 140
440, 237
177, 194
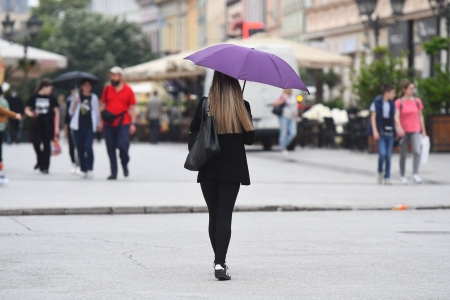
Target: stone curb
123, 210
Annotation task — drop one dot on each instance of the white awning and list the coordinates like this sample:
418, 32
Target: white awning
12, 53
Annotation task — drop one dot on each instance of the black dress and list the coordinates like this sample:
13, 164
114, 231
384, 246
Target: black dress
231, 162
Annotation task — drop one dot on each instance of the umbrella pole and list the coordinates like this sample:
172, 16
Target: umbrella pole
243, 88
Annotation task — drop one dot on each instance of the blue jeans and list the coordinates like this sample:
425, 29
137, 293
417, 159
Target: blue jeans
385, 145
83, 142
288, 131
116, 137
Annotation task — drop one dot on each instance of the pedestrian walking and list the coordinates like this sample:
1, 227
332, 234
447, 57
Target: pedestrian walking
85, 121
43, 108
288, 119
411, 127
63, 110
5, 113
118, 111
154, 112
220, 178
70, 136
382, 121
15, 125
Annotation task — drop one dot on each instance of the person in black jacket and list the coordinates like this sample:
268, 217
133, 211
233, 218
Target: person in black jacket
15, 105
220, 178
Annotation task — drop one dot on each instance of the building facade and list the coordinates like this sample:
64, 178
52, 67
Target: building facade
344, 33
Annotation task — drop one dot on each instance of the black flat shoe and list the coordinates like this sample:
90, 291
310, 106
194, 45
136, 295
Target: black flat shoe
44, 172
126, 172
112, 177
221, 272
36, 166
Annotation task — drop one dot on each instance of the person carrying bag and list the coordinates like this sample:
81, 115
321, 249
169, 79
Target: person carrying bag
221, 126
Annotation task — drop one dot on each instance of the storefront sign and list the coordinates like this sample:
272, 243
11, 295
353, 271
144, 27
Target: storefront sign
427, 28
398, 38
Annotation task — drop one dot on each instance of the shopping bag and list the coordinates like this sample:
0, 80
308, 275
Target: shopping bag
425, 149
56, 148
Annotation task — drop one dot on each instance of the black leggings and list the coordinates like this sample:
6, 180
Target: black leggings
220, 198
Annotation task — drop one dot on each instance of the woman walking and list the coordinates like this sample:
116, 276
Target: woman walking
85, 120
221, 177
5, 113
43, 108
382, 121
411, 126
288, 119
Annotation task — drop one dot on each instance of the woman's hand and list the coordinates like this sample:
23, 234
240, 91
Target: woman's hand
400, 132
19, 117
376, 135
424, 133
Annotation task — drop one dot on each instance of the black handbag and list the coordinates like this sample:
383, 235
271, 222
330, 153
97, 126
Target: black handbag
206, 144
278, 110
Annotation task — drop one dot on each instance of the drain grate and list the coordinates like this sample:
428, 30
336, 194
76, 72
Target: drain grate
426, 232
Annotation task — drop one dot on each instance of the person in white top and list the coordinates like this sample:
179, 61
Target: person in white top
85, 113
288, 119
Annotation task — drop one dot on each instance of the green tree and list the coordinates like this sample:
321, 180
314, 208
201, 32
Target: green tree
94, 43
385, 68
435, 91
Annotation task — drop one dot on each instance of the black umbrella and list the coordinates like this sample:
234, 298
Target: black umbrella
71, 80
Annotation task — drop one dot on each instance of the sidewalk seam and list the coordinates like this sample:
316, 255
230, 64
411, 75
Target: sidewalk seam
123, 210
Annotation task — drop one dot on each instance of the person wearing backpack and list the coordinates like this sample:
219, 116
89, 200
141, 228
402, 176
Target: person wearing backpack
411, 127
382, 121
85, 120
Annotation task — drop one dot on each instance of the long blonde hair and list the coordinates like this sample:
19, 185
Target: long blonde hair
227, 105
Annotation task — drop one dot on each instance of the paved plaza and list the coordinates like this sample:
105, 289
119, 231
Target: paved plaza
318, 178
368, 252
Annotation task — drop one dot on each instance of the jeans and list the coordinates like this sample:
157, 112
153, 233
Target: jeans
14, 131
71, 139
83, 140
43, 133
416, 144
385, 145
155, 129
220, 198
288, 131
116, 137
1, 146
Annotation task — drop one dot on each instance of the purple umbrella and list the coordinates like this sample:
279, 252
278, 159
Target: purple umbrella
248, 64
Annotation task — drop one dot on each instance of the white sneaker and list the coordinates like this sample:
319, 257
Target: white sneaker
78, 171
90, 175
380, 178
84, 175
387, 181
73, 170
285, 153
404, 180
417, 178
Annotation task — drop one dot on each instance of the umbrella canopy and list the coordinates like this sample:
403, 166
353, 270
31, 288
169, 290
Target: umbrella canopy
307, 56
248, 64
70, 80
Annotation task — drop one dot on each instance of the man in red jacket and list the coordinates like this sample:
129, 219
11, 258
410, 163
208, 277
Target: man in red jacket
118, 99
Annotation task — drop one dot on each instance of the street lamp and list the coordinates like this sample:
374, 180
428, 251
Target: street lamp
367, 8
33, 27
8, 26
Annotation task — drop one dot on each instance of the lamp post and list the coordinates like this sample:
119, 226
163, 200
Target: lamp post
367, 8
441, 9
33, 27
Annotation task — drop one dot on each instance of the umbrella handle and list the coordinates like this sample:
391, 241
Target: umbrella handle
243, 88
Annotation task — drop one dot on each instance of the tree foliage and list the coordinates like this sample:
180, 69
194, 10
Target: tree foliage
91, 42
384, 69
